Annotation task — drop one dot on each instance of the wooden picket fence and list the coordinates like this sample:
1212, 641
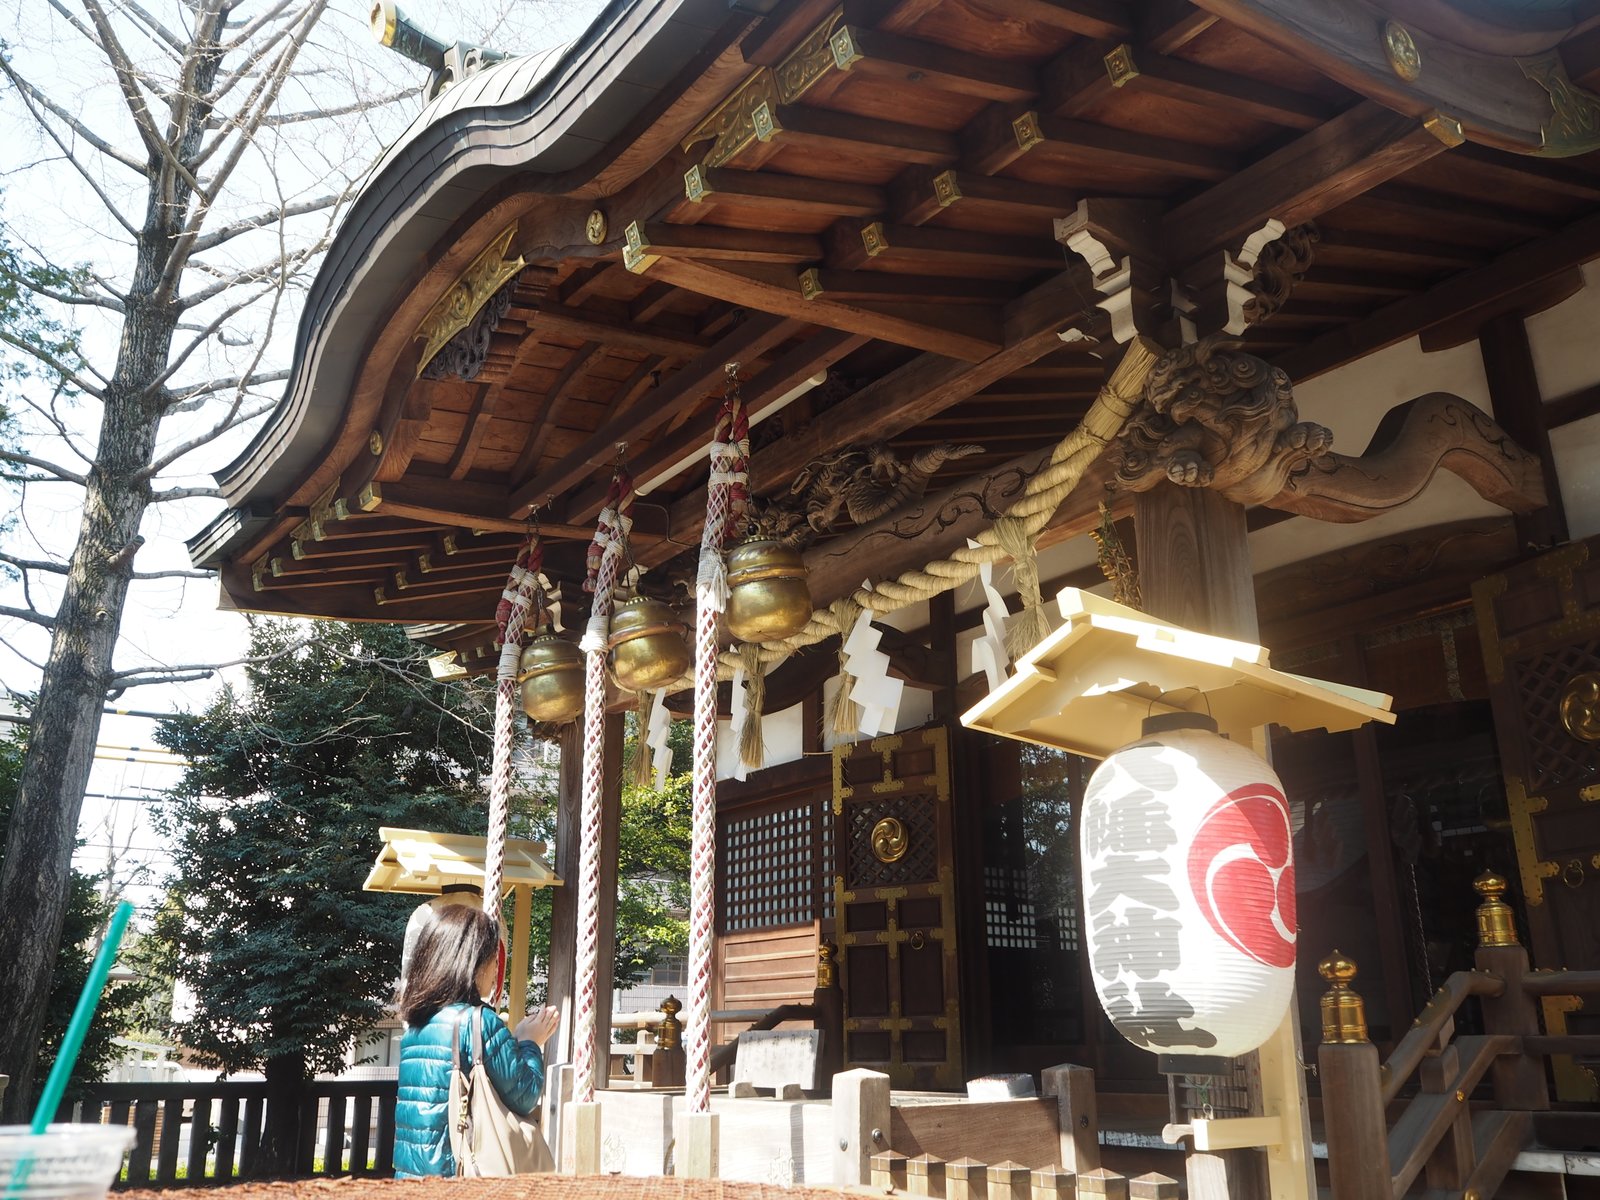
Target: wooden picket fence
969, 1179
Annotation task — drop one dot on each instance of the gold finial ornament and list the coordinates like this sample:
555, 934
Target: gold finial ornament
670, 1035
827, 969
768, 599
1497, 925
1404, 57
1344, 1014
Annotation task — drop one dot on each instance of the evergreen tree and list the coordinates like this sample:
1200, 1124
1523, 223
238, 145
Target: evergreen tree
340, 730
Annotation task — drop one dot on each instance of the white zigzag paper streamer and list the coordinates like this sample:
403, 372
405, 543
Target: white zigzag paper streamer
989, 653
738, 705
656, 734
875, 694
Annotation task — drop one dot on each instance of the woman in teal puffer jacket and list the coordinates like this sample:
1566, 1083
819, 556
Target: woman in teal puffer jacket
455, 964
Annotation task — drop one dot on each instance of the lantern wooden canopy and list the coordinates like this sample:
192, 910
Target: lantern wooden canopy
1087, 686
418, 862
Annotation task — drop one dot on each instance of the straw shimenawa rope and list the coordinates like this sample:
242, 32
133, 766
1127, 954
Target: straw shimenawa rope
1012, 536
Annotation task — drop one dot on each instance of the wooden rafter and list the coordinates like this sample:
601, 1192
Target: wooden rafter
1316, 172
561, 388
753, 337
777, 290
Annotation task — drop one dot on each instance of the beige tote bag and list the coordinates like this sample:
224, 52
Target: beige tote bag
486, 1137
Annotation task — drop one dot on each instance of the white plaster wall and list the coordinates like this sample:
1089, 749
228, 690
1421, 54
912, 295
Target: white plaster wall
1563, 339
782, 739
1576, 448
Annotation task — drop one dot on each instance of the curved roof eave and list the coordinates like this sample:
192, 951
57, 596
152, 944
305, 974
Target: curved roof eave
562, 109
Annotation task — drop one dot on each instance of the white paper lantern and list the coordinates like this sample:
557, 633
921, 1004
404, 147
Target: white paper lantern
1188, 886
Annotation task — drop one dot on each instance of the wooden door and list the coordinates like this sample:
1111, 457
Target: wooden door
1540, 626
894, 906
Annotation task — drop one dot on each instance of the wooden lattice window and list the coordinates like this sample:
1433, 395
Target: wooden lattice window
777, 865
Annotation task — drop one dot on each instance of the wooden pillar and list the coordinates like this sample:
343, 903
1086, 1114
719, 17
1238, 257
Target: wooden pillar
1352, 1092
521, 927
860, 1125
1194, 571
1518, 406
1194, 561
1399, 1004
562, 967
1519, 1081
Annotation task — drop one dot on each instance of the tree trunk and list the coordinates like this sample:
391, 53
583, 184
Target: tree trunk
280, 1139
36, 876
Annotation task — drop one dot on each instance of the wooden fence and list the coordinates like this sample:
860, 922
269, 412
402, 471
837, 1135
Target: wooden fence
200, 1134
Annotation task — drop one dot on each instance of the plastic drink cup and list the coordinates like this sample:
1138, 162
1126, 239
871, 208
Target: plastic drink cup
65, 1162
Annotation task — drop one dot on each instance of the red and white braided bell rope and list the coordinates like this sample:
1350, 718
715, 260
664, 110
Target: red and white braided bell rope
726, 497
510, 616
606, 555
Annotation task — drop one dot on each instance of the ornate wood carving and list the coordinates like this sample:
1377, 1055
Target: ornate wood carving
1281, 264
1215, 418
1414, 440
860, 483
478, 284
1574, 123
463, 356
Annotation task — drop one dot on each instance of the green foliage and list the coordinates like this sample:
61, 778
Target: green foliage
653, 842
87, 914
340, 730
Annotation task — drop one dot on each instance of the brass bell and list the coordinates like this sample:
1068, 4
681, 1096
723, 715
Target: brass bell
647, 645
767, 595
550, 677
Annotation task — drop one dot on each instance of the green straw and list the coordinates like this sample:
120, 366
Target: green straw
67, 1057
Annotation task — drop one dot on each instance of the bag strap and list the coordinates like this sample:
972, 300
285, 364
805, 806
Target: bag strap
477, 1035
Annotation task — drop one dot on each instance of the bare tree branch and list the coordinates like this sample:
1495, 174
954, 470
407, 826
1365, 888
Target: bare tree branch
127, 81
280, 120
30, 564
209, 241
27, 614
232, 418
190, 398
27, 460
36, 97
175, 573
127, 678
50, 360
188, 493
173, 42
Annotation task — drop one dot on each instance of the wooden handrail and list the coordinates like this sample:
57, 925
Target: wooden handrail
1424, 1036
1562, 983
1429, 1116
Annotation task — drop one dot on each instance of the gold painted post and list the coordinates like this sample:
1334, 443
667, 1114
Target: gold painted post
1352, 1090
521, 931
1519, 1081
667, 1068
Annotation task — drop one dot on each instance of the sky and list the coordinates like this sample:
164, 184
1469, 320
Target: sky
49, 206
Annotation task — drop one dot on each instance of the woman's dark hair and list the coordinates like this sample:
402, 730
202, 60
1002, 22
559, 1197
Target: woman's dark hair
451, 950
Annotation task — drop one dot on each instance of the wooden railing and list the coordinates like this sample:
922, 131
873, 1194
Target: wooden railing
199, 1134
1439, 1138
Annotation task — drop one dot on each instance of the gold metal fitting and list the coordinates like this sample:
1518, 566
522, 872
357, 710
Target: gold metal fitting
670, 1035
1344, 1014
827, 969
1497, 925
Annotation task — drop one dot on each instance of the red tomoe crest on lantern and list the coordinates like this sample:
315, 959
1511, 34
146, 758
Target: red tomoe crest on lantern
1242, 854
1188, 885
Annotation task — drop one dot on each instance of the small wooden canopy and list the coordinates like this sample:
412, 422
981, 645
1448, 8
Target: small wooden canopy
1088, 686
421, 863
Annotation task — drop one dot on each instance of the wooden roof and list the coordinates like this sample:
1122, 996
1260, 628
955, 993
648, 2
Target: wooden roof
867, 192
